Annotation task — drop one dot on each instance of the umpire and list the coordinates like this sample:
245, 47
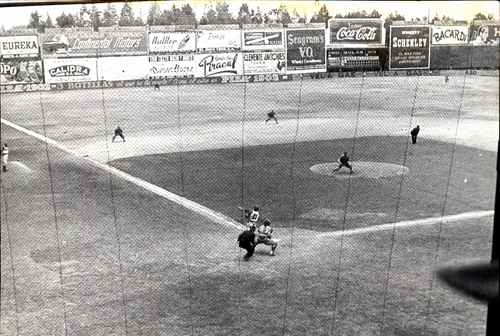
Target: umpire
246, 241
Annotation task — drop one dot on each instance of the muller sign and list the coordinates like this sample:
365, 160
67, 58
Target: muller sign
355, 31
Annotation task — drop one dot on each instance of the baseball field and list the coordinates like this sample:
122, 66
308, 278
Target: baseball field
139, 237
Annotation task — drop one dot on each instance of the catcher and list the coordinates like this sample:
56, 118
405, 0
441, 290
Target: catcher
264, 236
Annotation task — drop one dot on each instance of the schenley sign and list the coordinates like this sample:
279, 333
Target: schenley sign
408, 42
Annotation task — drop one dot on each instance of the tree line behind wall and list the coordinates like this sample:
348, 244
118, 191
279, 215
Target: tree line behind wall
95, 18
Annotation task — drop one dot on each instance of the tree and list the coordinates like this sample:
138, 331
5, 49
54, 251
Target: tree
154, 14
388, 21
48, 22
187, 16
375, 14
65, 21
223, 14
211, 16
480, 16
244, 14
323, 14
35, 20
95, 17
110, 16
126, 15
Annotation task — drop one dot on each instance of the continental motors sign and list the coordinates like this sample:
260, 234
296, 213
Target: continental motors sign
409, 47
94, 43
19, 46
355, 31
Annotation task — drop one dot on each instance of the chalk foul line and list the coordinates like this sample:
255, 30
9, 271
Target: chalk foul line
410, 223
224, 220
191, 205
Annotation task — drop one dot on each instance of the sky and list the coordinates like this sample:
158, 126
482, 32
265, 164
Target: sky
459, 10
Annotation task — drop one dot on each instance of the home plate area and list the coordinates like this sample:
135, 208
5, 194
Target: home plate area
360, 169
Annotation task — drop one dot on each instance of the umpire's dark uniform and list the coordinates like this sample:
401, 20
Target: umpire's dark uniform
414, 133
246, 241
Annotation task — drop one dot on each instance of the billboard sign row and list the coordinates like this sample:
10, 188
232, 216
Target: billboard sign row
263, 40
446, 35
409, 47
172, 41
19, 46
195, 65
258, 63
17, 71
306, 50
92, 44
484, 35
214, 39
354, 58
355, 31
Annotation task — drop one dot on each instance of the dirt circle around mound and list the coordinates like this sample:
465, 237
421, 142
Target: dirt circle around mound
364, 169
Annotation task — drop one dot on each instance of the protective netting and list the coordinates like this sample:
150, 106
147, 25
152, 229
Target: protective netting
86, 252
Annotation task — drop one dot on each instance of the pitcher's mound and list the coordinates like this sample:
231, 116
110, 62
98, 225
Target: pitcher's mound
360, 169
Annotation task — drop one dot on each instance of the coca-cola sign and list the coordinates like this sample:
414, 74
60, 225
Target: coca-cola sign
355, 31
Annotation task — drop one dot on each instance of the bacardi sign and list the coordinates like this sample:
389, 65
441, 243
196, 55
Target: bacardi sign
355, 31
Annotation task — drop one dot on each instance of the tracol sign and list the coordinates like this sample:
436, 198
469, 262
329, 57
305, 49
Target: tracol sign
262, 40
220, 64
355, 31
449, 35
19, 46
409, 47
305, 50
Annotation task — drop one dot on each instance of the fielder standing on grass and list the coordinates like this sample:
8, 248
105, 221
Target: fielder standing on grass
414, 133
5, 157
118, 132
271, 115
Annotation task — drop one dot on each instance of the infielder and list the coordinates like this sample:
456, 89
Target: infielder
118, 132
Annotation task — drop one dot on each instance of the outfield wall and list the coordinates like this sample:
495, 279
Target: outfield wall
151, 54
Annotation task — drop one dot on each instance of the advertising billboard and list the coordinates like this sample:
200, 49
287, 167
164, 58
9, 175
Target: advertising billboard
218, 64
306, 50
486, 35
19, 46
169, 66
264, 62
409, 47
220, 39
172, 41
262, 39
18, 70
61, 70
445, 35
355, 31
122, 68
94, 43
354, 58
